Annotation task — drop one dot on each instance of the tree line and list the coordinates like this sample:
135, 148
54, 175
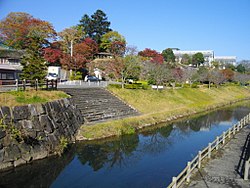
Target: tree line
75, 48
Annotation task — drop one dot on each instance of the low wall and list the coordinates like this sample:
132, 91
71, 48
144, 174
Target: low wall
36, 131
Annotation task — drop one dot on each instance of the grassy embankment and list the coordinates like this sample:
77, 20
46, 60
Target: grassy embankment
163, 106
17, 98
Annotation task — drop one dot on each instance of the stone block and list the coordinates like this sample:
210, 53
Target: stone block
46, 123
21, 112
36, 109
1, 155
6, 114
2, 133
11, 153
19, 162
36, 123
6, 165
38, 152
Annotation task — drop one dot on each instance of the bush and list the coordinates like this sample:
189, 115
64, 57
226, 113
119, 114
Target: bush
194, 85
117, 86
134, 86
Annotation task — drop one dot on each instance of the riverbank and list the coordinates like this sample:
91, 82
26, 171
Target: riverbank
163, 106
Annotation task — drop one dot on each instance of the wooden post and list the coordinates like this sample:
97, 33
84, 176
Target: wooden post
224, 138
174, 179
238, 125
17, 84
188, 171
36, 84
229, 133
47, 85
24, 84
199, 160
217, 143
52, 84
234, 127
56, 85
246, 172
209, 150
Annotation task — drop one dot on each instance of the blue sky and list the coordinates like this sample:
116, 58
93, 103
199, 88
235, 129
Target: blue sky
219, 25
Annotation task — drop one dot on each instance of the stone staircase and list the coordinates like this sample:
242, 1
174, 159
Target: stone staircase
98, 104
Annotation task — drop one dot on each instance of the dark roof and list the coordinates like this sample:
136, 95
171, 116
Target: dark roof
11, 54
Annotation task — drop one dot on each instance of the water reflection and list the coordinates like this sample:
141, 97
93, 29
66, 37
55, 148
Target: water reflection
110, 153
39, 174
148, 159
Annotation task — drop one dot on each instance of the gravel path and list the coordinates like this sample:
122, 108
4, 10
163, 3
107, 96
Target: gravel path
222, 171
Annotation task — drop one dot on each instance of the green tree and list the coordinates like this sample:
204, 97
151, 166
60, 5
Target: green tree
186, 59
127, 67
110, 43
72, 34
168, 55
23, 31
198, 58
240, 68
95, 26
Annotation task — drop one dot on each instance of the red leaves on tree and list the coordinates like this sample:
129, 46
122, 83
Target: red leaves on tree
228, 74
118, 48
21, 31
52, 55
154, 56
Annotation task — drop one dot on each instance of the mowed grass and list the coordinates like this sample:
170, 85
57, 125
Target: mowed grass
158, 106
151, 101
18, 98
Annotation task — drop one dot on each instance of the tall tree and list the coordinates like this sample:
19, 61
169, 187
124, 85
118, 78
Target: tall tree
198, 59
72, 34
151, 55
186, 59
114, 43
84, 53
96, 25
157, 74
168, 55
22, 31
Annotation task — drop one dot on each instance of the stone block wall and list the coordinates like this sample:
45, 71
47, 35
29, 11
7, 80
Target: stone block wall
36, 131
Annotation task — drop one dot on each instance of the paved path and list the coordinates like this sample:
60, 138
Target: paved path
220, 172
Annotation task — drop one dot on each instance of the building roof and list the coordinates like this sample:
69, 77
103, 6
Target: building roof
11, 54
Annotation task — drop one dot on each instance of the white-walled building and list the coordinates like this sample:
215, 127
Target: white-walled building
226, 59
208, 55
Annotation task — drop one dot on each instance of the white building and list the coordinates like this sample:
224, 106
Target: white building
226, 59
10, 66
208, 55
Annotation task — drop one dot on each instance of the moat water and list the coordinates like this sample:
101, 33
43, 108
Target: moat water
147, 159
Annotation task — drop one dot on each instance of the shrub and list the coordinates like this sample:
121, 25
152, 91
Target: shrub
134, 86
117, 86
194, 85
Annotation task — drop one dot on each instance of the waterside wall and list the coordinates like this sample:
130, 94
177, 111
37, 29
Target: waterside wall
36, 131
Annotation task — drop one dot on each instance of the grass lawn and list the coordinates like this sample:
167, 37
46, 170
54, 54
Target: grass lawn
17, 98
157, 106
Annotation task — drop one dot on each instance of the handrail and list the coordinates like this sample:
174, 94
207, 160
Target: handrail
206, 152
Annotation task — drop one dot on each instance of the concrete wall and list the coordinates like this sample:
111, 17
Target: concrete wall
36, 131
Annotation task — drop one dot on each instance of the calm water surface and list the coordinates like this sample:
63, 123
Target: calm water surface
148, 159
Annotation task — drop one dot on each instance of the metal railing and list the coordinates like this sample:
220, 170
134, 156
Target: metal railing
207, 152
80, 83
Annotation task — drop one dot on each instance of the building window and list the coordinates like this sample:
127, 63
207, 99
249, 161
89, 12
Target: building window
7, 76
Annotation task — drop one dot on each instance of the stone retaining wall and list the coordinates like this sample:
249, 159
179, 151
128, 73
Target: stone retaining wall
36, 131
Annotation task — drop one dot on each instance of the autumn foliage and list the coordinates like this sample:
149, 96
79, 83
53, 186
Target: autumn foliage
152, 55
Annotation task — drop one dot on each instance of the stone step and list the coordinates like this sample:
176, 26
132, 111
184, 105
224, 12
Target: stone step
98, 104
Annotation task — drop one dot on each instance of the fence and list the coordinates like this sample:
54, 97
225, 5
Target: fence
24, 84
206, 153
80, 83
